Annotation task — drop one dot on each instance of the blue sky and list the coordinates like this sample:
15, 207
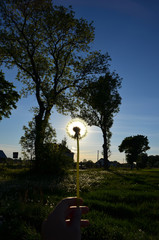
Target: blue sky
129, 31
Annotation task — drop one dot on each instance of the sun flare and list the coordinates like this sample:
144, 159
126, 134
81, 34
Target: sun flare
74, 124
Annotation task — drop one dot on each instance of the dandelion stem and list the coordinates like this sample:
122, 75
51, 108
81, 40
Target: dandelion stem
77, 167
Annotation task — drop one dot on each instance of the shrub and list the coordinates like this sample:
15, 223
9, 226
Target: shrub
55, 160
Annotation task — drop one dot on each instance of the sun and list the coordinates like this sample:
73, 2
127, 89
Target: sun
76, 126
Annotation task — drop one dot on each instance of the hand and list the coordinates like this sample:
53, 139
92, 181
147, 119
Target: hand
65, 221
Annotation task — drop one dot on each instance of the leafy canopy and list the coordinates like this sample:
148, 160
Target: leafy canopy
134, 146
138, 144
8, 97
44, 42
101, 100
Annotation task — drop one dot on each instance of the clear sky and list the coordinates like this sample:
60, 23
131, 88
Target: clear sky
129, 31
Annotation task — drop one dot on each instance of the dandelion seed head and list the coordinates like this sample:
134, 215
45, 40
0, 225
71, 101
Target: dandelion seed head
76, 127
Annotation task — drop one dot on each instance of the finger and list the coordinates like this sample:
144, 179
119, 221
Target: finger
67, 202
84, 210
63, 208
84, 223
76, 217
76, 220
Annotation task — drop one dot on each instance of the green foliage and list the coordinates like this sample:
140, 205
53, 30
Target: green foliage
8, 97
134, 146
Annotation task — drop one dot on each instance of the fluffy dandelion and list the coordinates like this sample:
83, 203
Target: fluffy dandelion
77, 129
74, 125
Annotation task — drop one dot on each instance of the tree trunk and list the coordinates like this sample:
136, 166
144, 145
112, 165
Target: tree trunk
38, 142
41, 122
105, 150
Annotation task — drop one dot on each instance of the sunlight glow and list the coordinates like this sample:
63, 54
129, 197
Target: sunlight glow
77, 122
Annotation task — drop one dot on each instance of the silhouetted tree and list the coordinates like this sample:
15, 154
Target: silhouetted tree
90, 164
47, 44
28, 140
100, 101
133, 147
8, 97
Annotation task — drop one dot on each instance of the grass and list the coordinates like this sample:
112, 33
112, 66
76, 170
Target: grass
124, 205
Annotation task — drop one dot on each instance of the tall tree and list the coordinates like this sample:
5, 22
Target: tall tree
134, 146
28, 140
8, 97
50, 48
100, 101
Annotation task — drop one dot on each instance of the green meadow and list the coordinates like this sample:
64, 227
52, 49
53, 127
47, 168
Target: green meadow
124, 204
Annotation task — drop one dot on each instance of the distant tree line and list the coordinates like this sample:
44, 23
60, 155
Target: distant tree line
135, 148
87, 164
145, 161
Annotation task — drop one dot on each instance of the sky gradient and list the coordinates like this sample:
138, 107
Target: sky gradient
129, 31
